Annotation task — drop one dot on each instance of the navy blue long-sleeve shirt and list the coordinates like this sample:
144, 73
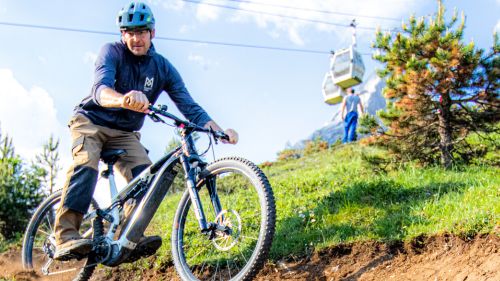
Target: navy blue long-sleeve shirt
117, 68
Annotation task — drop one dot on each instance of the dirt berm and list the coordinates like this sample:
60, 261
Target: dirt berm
437, 258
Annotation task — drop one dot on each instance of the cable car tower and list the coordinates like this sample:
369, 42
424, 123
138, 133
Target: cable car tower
346, 70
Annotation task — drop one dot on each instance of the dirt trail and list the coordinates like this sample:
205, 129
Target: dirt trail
436, 258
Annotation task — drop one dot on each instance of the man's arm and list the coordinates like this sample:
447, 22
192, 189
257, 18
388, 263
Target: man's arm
343, 108
133, 100
361, 108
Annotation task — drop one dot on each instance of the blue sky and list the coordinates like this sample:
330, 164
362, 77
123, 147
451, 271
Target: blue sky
270, 97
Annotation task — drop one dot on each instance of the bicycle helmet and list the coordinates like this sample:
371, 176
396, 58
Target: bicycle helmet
135, 15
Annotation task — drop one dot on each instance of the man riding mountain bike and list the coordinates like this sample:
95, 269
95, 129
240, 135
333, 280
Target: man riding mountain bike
129, 76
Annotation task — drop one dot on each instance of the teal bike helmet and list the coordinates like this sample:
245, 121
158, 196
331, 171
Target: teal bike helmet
135, 15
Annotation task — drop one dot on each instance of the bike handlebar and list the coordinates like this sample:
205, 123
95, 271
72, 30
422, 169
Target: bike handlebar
162, 110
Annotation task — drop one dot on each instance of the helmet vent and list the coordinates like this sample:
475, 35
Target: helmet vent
132, 5
130, 16
142, 17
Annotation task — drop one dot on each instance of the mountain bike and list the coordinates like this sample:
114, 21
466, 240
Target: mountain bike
223, 226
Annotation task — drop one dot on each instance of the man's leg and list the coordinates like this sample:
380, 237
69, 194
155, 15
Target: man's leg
136, 160
352, 127
131, 165
78, 190
346, 129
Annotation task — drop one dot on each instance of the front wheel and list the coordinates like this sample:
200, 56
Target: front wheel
245, 216
39, 243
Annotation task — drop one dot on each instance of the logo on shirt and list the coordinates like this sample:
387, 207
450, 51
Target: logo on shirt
148, 85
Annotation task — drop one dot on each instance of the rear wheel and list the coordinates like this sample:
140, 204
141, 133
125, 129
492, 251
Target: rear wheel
39, 243
245, 218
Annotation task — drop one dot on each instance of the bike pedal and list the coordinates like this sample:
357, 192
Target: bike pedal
66, 256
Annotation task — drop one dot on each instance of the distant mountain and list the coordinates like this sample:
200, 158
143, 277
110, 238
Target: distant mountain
372, 99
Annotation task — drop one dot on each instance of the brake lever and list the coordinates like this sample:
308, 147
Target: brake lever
219, 135
155, 117
212, 133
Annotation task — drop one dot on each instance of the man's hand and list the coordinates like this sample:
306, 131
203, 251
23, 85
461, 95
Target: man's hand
136, 101
232, 134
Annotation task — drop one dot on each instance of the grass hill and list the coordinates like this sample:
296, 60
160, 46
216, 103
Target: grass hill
340, 217
334, 195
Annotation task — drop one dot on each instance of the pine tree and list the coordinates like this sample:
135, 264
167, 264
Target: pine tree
20, 190
440, 89
49, 159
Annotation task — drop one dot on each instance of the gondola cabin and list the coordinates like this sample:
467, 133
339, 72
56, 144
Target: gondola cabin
332, 93
347, 68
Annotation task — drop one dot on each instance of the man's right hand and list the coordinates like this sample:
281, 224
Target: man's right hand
136, 101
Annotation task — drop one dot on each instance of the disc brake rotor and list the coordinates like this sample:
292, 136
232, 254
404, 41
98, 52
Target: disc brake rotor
224, 241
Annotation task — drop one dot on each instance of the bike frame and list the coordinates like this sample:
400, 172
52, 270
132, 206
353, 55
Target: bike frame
152, 185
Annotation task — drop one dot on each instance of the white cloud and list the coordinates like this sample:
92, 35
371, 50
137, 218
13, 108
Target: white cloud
202, 61
27, 116
89, 58
296, 30
205, 13
295, 37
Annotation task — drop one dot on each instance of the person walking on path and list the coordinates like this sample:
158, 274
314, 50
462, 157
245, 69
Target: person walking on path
350, 105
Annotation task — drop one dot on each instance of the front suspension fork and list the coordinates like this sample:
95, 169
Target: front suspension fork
190, 177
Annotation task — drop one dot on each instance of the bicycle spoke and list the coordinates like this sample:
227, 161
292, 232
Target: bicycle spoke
44, 232
40, 256
197, 254
217, 270
203, 267
229, 269
242, 255
250, 237
50, 225
87, 233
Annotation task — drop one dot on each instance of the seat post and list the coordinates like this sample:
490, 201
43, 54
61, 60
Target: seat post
115, 213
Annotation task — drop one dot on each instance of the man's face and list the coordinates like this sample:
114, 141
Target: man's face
138, 41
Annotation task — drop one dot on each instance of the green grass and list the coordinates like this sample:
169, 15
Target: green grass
334, 196
15, 242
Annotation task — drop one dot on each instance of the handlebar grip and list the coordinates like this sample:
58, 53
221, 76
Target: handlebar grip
221, 135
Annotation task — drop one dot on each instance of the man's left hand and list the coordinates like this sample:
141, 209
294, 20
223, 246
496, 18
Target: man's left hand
232, 134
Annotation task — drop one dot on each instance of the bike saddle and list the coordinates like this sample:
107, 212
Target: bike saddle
110, 156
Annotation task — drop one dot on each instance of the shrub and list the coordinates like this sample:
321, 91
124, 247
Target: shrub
289, 153
315, 146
